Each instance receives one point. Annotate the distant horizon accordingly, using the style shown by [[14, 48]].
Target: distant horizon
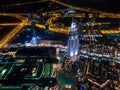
[[103, 5]]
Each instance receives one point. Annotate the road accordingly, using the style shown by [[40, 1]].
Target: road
[[94, 56], [55, 16], [11, 24], [24, 22], [18, 4], [100, 85], [4, 42], [90, 10], [16, 15]]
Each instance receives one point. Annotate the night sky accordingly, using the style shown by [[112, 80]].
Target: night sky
[[107, 5]]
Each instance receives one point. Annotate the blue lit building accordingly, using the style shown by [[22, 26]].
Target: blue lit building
[[73, 42]]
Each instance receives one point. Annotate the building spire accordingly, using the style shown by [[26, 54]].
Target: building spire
[[73, 25]]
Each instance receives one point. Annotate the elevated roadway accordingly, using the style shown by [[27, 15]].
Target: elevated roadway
[[16, 15], [89, 10], [25, 3], [52, 25], [11, 35], [55, 16], [11, 24]]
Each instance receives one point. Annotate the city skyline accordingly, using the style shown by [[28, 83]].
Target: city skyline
[[60, 45]]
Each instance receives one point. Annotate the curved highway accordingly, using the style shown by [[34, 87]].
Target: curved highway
[[50, 21]]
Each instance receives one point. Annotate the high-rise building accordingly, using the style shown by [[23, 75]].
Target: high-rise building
[[73, 41]]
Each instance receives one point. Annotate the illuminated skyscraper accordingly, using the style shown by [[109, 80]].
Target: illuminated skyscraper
[[73, 41]]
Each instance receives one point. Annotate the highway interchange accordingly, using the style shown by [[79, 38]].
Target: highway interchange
[[52, 27], [55, 15]]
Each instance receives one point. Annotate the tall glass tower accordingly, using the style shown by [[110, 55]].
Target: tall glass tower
[[73, 41]]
